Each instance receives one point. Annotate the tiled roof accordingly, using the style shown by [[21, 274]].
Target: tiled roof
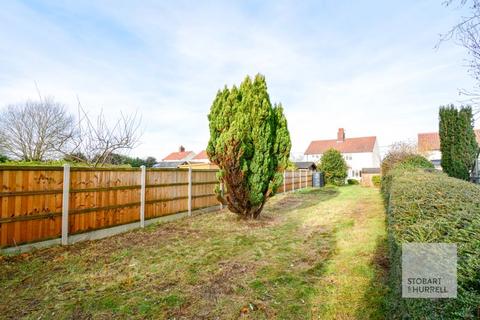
[[202, 155], [180, 155], [350, 145], [430, 141]]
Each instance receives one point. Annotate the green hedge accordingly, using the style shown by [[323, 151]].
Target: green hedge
[[352, 182], [413, 162], [428, 206], [377, 180]]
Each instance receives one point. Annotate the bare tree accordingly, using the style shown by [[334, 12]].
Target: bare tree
[[467, 34], [397, 152], [35, 130], [96, 140], [41, 130]]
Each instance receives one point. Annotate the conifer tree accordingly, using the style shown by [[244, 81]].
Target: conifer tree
[[457, 141], [250, 142]]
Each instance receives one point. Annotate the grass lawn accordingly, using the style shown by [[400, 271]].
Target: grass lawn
[[313, 254]]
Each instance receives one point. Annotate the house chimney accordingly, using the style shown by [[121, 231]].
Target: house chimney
[[341, 135], [181, 149]]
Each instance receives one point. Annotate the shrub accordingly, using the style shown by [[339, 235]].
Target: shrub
[[352, 181], [430, 207], [398, 152], [406, 162], [250, 142], [414, 161], [333, 167], [377, 180]]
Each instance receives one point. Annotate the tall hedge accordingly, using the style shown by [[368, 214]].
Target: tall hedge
[[428, 206], [250, 142], [333, 167], [457, 141]]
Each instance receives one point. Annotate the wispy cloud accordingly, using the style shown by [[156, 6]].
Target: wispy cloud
[[369, 67]]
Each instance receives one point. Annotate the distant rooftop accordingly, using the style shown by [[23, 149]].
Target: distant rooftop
[[181, 154], [201, 156], [430, 141], [342, 144]]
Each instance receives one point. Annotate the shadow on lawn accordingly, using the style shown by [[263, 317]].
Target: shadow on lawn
[[374, 297]]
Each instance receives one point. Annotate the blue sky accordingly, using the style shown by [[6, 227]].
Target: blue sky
[[367, 66]]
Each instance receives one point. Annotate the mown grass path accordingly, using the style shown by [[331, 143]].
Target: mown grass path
[[314, 254]]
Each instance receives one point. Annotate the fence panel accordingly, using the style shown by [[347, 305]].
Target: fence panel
[[295, 180], [203, 188], [166, 192], [31, 205], [103, 198], [31, 198]]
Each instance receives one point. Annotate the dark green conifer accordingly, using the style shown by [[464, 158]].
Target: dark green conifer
[[250, 142]]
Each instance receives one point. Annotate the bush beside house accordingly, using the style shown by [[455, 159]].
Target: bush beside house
[[334, 167], [427, 206], [352, 182]]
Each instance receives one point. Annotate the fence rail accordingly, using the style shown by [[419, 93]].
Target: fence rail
[[35, 205]]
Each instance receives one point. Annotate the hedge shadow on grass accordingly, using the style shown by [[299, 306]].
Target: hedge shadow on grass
[[374, 296]]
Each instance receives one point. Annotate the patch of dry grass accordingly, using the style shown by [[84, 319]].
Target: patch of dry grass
[[211, 266]]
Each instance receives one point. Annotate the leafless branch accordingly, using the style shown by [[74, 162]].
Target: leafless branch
[[96, 140], [467, 34]]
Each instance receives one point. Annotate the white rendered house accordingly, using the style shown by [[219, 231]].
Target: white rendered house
[[359, 153]]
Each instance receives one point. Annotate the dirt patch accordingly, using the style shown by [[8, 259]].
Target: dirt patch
[[222, 283], [80, 314], [203, 298], [287, 203], [360, 213]]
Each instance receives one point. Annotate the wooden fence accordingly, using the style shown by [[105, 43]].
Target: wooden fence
[[32, 207]]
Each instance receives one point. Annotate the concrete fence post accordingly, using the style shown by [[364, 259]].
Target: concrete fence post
[[284, 181], [65, 203], [300, 181], [293, 180], [221, 194], [143, 178], [189, 189]]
